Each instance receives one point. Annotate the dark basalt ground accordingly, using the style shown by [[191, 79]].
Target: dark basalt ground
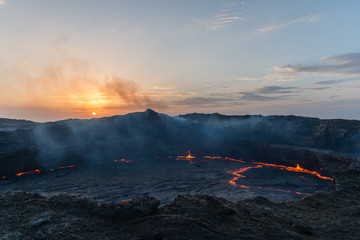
[[166, 178], [334, 215], [178, 200]]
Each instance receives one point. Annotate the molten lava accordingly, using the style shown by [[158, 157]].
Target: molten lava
[[29, 172], [64, 167], [123, 161], [70, 166], [41, 171], [242, 170], [190, 158], [237, 173], [283, 167]]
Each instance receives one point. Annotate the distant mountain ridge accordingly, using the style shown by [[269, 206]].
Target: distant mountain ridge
[[315, 143]]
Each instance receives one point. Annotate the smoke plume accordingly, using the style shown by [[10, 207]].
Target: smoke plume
[[61, 82], [128, 92]]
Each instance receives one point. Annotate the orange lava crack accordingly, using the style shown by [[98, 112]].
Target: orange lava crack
[[237, 173]]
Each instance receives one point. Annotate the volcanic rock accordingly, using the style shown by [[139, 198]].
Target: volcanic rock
[[314, 143], [326, 146], [40, 220], [332, 215]]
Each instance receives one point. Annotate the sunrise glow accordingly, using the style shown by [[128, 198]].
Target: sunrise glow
[[230, 57]]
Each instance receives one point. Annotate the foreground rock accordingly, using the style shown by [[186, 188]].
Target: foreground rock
[[333, 215]]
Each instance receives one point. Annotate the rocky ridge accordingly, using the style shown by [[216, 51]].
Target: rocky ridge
[[334, 215], [316, 144]]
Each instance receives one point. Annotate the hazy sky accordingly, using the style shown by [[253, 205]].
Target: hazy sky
[[69, 58]]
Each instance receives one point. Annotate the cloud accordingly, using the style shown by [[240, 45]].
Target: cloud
[[276, 89], [228, 14], [319, 88], [266, 93], [251, 96], [219, 21], [282, 24], [241, 78], [345, 64], [282, 76], [327, 82], [162, 87], [2, 2], [206, 102], [203, 101], [331, 82], [269, 93]]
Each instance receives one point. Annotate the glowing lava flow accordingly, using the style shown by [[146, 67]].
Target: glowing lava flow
[[123, 161], [237, 173], [40, 171], [283, 167], [190, 158], [241, 170], [62, 167], [65, 167], [29, 172]]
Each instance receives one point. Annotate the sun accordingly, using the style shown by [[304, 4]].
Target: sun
[[93, 113]]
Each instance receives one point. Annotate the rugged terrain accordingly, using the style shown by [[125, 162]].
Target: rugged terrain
[[334, 215], [164, 179], [315, 144], [122, 177]]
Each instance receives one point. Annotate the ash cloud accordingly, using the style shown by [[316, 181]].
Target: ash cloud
[[128, 92], [59, 81], [45, 79]]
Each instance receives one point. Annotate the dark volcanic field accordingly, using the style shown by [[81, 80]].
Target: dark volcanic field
[[164, 179], [321, 145], [334, 215], [186, 198]]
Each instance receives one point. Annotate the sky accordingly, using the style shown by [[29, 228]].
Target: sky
[[74, 59]]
